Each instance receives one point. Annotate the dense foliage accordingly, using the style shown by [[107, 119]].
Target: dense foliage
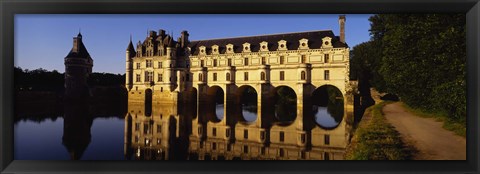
[[419, 57], [43, 80]]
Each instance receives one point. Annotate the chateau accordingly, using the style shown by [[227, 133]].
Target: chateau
[[162, 71]]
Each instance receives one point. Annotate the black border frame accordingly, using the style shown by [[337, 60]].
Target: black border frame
[[8, 8]]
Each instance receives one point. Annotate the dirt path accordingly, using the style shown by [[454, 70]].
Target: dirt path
[[427, 135]]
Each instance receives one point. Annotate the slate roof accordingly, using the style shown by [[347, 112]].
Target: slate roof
[[314, 41], [82, 52]]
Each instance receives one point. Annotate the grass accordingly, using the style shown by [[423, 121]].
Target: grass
[[456, 126], [375, 139]]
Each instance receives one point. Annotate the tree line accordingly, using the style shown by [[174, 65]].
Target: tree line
[[419, 57], [44, 80]]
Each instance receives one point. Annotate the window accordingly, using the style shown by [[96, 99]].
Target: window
[[302, 154], [326, 156], [214, 76], [228, 77], [138, 78], [229, 147], [227, 132], [148, 76], [303, 75], [214, 62], [282, 152], [137, 126], [263, 61], [282, 136], [327, 75], [282, 59], [200, 77], [245, 149], [304, 58], [214, 146], [138, 65], [214, 131], [136, 139], [262, 76], [246, 61], [245, 75], [229, 61], [282, 75], [202, 63], [327, 58], [303, 138], [160, 78], [262, 151], [159, 64], [327, 139], [245, 134], [146, 129], [159, 128], [149, 63]]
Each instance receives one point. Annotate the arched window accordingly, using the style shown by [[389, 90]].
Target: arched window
[[200, 77], [303, 75], [262, 75], [228, 76]]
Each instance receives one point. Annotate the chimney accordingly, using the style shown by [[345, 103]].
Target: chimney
[[184, 38], [341, 22], [76, 43]]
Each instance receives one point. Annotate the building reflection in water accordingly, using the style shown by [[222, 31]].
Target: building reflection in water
[[76, 128], [169, 133]]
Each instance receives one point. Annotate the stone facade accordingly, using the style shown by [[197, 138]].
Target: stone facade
[[183, 71]]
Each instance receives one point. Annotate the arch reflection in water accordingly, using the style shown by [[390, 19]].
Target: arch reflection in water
[[168, 135], [327, 106]]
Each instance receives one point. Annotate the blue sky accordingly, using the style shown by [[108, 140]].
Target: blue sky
[[42, 41]]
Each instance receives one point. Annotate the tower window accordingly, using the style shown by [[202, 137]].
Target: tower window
[[245, 76], [160, 77], [138, 78], [327, 75], [214, 62], [327, 58], [327, 139], [246, 61], [282, 75], [282, 59], [282, 136]]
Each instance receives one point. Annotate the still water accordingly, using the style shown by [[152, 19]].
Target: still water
[[173, 133]]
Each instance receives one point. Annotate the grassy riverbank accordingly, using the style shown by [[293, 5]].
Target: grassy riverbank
[[375, 139], [459, 127]]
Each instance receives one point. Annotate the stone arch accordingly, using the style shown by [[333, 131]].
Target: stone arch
[[247, 99], [328, 107], [282, 106], [215, 104]]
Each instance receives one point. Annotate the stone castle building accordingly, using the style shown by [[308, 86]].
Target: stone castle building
[[161, 70]]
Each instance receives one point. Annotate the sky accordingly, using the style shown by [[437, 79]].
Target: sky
[[43, 40]]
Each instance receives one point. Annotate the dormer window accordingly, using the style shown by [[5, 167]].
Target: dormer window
[[282, 45], [246, 47], [303, 44], [229, 48], [203, 50], [215, 49], [327, 42], [263, 46]]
